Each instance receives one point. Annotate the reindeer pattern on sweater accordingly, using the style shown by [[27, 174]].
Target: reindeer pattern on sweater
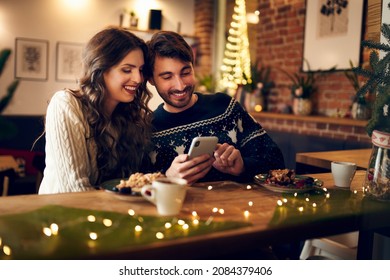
[[214, 115]]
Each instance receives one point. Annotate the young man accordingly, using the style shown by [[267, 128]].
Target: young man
[[244, 149]]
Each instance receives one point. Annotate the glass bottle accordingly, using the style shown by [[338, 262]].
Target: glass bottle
[[377, 181]]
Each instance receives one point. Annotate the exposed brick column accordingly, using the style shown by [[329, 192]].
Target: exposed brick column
[[204, 32]]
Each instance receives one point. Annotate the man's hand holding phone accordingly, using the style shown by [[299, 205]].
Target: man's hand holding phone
[[197, 163]]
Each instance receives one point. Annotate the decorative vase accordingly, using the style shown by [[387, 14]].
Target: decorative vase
[[360, 111], [302, 106], [377, 181], [254, 102], [133, 21]]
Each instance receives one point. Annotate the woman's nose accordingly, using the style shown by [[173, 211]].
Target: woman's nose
[[137, 77]]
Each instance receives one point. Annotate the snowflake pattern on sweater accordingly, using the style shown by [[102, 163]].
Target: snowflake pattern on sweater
[[214, 115]]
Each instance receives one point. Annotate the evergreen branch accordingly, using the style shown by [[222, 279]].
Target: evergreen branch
[[375, 45], [362, 72], [385, 30], [369, 86]]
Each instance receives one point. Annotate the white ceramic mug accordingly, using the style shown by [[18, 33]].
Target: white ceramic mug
[[343, 173], [167, 194]]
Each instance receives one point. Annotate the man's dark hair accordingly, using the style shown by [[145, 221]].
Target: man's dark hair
[[167, 44]]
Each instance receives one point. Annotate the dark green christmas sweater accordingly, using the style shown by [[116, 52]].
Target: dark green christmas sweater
[[214, 115]]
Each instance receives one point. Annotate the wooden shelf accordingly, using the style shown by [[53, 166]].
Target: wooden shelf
[[147, 34]]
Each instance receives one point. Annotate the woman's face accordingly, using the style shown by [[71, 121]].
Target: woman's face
[[123, 79]]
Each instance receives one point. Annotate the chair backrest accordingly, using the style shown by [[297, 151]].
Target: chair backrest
[[7, 177], [5, 186]]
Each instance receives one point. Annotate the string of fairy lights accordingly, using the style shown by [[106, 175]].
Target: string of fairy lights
[[299, 201], [236, 64]]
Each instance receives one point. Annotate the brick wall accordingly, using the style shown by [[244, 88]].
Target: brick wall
[[279, 44], [334, 128], [204, 32]]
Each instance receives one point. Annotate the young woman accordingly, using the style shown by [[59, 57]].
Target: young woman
[[101, 130]]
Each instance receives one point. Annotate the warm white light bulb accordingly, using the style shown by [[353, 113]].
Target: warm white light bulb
[[47, 231], [91, 218], [93, 235], [107, 222], [138, 228], [7, 250]]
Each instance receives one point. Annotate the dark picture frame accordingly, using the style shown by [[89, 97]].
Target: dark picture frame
[[31, 59], [333, 35], [68, 64]]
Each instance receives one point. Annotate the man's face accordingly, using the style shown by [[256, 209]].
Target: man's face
[[175, 83]]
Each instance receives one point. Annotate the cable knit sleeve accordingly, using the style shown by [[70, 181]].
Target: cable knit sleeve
[[69, 165]]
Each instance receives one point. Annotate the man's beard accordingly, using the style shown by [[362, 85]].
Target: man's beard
[[188, 89]]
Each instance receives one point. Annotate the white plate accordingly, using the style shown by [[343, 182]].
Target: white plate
[[110, 186]]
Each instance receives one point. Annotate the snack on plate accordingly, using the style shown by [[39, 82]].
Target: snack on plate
[[137, 180], [289, 179], [281, 176]]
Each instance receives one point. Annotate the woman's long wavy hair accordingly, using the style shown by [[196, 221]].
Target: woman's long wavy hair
[[122, 139]]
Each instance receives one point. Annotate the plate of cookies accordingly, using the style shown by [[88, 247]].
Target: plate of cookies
[[286, 181], [132, 185]]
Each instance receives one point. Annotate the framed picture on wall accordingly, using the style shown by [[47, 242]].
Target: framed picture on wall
[[68, 61], [31, 59], [333, 34]]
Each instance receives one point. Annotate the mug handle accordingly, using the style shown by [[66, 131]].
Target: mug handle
[[148, 192]]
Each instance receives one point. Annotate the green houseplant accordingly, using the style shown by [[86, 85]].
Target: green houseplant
[[361, 104], [7, 130], [302, 87], [259, 85], [302, 84], [206, 83]]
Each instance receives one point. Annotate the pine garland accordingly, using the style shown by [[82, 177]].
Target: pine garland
[[378, 79]]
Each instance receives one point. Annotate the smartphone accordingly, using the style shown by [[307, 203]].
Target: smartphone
[[202, 145]]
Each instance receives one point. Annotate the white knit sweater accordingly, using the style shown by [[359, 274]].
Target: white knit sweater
[[70, 157]]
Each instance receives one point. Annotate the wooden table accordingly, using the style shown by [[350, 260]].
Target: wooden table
[[324, 159], [344, 211]]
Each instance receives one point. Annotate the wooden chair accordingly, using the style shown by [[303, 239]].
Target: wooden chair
[[7, 177], [335, 247]]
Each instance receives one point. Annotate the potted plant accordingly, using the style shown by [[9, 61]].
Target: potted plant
[[360, 108], [205, 83], [133, 19], [302, 87], [377, 182], [7, 129], [258, 87]]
